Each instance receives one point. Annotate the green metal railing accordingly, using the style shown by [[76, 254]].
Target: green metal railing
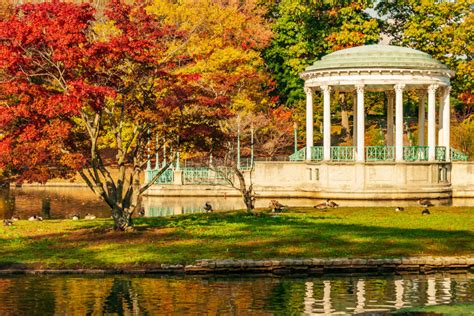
[[204, 175], [343, 153], [167, 177], [380, 153], [317, 153], [415, 153], [457, 155], [300, 155], [440, 153]]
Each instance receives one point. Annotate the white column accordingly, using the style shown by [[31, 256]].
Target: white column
[[421, 118], [327, 122], [447, 122], [431, 122], [309, 121], [399, 122], [354, 120], [440, 119], [390, 96], [360, 123]]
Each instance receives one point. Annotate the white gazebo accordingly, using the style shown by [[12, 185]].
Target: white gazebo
[[382, 68]]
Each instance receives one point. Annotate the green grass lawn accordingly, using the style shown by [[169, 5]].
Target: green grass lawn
[[298, 233]]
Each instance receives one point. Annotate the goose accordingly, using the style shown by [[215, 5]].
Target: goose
[[276, 206], [425, 212], [35, 218], [141, 213], [75, 217], [425, 202], [332, 204], [7, 222], [90, 216], [208, 207], [321, 206], [399, 209], [15, 218]]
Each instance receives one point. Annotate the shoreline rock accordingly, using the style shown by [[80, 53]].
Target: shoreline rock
[[317, 266]]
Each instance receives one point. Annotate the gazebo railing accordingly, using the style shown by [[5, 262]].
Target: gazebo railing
[[457, 155], [440, 153], [300, 155], [167, 177], [380, 153], [204, 175], [415, 153], [317, 153], [343, 153]]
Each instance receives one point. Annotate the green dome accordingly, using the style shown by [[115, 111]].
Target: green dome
[[377, 56]]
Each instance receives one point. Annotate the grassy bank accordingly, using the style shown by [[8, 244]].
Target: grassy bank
[[298, 233]]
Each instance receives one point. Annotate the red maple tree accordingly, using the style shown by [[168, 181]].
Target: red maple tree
[[67, 96]]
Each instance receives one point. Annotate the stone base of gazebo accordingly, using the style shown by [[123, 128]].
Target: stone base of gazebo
[[340, 180]]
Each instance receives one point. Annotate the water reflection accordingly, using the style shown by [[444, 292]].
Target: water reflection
[[63, 202], [235, 296]]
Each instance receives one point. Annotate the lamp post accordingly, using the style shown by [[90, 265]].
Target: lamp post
[[157, 155], [251, 145], [295, 132], [164, 152], [148, 162], [238, 141]]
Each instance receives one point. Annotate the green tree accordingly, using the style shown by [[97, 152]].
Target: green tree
[[305, 31], [443, 29]]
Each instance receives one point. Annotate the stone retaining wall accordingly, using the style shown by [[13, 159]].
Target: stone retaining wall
[[285, 266]]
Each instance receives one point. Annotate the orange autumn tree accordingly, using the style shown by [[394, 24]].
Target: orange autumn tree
[[225, 42]]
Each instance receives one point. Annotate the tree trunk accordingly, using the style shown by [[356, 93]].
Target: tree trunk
[[249, 201], [344, 116], [122, 219]]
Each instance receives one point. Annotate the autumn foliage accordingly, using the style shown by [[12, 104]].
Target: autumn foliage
[[68, 93]]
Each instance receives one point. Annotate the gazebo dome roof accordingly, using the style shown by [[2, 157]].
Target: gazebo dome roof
[[378, 56]]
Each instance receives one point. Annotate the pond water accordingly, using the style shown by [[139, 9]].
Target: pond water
[[145, 295], [63, 202]]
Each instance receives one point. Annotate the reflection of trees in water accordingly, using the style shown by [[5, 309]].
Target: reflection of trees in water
[[57, 202], [7, 203], [123, 298], [125, 295], [28, 298], [46, 207], [287, 296]]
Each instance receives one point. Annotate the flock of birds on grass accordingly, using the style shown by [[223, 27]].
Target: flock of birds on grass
[[37, 218], [275, 207]]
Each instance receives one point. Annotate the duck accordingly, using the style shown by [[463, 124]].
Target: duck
[[276, 206], [75, 217], [7, 222], [90, 216], [425, 212], [399, 209], [425, 202], [35, 218], [332, 204], [15, 218], [208, 207]]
